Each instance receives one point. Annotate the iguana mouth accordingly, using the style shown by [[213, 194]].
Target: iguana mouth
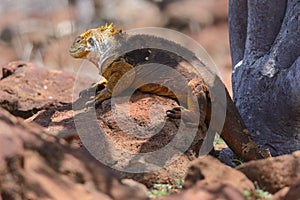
[[78, 52]]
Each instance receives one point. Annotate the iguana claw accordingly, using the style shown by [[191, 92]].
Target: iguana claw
[[182, 113], [175, 113]]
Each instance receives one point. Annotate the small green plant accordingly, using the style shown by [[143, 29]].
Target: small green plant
[[219, 143], [257, 194], [179, 183], [262, 194], [165, 189], [247, 194], [160, 190], [238, 161]]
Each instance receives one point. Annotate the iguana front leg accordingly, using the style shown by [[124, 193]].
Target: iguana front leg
[[94, 88], [193, 115], [113, 74]]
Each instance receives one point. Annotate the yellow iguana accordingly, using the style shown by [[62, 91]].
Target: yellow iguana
[[98, 44]]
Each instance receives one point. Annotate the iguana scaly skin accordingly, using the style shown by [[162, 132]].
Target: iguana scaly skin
[[97, 45]]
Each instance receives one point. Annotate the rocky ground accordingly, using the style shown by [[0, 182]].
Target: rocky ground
[[42, 156]]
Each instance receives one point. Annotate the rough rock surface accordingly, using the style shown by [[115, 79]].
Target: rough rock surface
[[137, 137], [210, 171], [35, 165], [207, 192], [288, 193], [281, 194], [30, 87], [293, 193], [26, 89], [273, 174]]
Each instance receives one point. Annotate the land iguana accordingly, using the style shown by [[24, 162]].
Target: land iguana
[[100, 45]]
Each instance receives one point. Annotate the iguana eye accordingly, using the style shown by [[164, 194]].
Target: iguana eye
[[91, 41], [78, 40]]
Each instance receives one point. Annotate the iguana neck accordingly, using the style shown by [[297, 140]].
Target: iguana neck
[[106, 50]]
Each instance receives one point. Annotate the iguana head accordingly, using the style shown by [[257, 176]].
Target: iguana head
[[91, 43]]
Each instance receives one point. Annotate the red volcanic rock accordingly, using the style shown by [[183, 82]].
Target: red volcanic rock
[[273, 174], [35, 165]]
